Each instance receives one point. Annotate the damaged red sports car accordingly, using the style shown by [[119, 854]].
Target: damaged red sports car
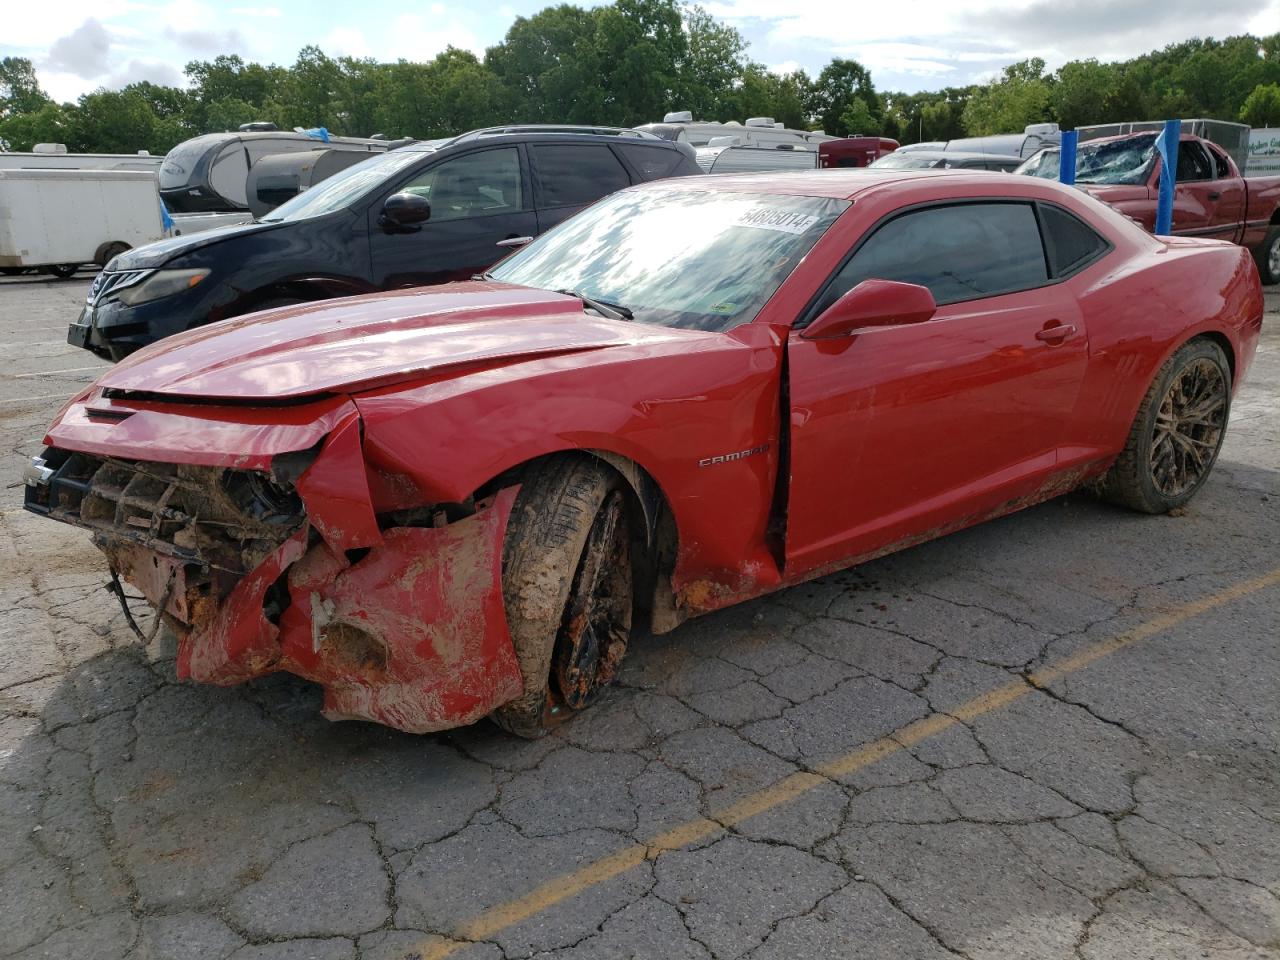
[[455, 502]]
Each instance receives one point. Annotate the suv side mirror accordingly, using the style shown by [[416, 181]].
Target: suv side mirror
[[405, 211], [873, 303]]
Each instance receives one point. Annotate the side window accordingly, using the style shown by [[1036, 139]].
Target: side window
[[1069, 241], [573, 174], [473, 185], [1193, 162], [960, 252], [1221, 169], [652, 162]]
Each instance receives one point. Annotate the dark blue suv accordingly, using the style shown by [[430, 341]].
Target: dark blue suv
[[426, 213]]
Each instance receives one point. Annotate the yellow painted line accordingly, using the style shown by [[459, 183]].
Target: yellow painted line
[[486, 925]]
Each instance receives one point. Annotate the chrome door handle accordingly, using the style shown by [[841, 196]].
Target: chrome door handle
[[514, 242]]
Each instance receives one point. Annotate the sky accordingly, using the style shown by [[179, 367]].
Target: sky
[[908, 45]]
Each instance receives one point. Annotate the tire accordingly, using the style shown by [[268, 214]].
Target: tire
[[1174, 441], [63, 271], [110, 252], [1267, 256], [567, 585]]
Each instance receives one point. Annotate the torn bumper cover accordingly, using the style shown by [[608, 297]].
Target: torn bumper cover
[[290, 570]]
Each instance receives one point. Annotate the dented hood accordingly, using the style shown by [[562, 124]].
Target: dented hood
[[338, 346]]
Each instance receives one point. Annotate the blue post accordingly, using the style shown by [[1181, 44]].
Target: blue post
[[1167, 145], [1067, 157]]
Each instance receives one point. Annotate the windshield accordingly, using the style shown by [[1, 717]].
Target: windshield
[[899, 160], [345, 187], [1116, 161], [699, 259]]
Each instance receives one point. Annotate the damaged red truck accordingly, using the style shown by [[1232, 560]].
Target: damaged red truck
[[452, 503]]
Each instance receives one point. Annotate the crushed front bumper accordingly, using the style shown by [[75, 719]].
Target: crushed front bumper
[[289, 569]]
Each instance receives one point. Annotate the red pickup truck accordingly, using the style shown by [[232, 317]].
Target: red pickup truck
[[1212, 199]]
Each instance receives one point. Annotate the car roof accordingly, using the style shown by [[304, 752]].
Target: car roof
[[498, 135], [961, 155], [846, 183]]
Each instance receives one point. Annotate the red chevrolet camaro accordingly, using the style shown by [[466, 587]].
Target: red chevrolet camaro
[[454, 502]]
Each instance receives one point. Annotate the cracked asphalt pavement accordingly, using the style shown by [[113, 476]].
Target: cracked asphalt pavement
[[1054, 735]]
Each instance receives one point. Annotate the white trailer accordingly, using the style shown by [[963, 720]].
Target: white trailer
[[59, 219], [54, 156], [730, 158]]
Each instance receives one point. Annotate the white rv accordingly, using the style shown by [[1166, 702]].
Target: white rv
[[761, 132]]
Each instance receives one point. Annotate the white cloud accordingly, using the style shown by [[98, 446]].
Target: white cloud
[[930, 38], [257, 12], [83, 52], [414, 37], [786, 66]]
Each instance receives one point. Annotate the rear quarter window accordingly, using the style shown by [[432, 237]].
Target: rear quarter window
[[574, 174], [652, 163], [1070, 243]]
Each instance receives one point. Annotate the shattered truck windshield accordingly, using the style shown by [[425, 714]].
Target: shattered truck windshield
[[1127, 160]]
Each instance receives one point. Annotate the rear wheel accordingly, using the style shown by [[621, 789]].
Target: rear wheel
[[1268, 257], [567, 583], [1175, 438], [110, 251]]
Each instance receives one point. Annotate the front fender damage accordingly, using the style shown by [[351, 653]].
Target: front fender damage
[[401, 625]]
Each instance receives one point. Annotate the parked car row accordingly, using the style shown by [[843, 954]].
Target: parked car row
[[426, 213]]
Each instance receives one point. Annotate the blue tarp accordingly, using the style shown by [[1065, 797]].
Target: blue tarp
[[1167, 145]]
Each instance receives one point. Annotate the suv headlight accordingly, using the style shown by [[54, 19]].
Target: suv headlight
[[162, 283]]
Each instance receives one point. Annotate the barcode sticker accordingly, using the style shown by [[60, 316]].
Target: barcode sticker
[[783, 221]]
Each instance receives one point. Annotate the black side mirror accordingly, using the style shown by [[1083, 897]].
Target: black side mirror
[[404, 211]]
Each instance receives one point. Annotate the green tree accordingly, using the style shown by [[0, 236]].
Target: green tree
[[1262, 106], [228, 114], [1022, 95], [49, 124], [113, 121], [229, 79], [549, 67], [857, 120], [712, 67], [312, 92], [840, 83], [763, 93], [641, 45], [19, 90]]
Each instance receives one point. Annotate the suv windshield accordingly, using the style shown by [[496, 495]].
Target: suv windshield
[[1116, 161], [346, 186], [678, 258], [1046, 164]]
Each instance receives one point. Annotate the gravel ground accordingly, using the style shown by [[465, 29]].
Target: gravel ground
[[1055, 735]]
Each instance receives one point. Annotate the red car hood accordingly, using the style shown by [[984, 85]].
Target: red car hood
[[356, 343]]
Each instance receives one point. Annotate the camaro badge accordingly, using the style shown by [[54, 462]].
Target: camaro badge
[[730, 457]]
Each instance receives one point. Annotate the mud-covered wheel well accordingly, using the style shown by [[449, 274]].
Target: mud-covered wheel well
[[654, 537], [1225, 343]]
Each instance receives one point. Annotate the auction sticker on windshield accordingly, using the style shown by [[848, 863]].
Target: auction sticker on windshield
[[784, 221]]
